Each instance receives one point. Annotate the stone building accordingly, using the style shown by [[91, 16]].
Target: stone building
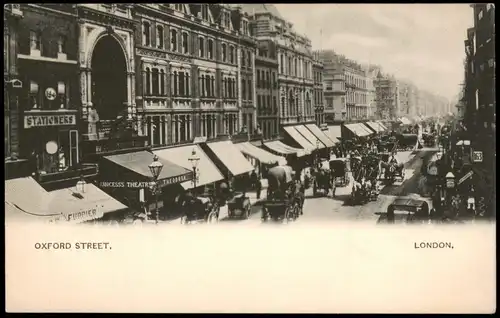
[[387, 97], [266, 64], [295, 73], [195, 71], [319, 98]]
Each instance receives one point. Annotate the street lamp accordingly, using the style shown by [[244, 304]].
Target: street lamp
[[80, 185], [194, 159], [155, 168]]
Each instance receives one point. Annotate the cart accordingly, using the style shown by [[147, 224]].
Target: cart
[[201, 210], [239, 206], [408, 210], [339, 169]]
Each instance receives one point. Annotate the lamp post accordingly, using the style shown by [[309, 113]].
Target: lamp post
[[80, 185], [194, 159], [155, 167]]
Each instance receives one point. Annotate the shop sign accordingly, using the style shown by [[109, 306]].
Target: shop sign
[[31, 121], [477, 156], [465, 177], [80, 216], [50, 93], [144, 184]]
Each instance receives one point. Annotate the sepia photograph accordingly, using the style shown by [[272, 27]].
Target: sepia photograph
[[258, 134]]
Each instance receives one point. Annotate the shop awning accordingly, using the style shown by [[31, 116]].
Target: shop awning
[[208, 172], [297, 137], [381, 124], [357, 130], [334, 133], [315, 141], [404, 121], [26, 200], [260, 154], [283, 149], [75, 207], [373, 125], [367, 130], [138, 163], [316, 131], [231, 157]]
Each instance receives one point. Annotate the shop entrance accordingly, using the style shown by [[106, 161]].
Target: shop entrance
[[109, 78]]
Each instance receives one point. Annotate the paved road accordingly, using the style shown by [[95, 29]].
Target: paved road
[[328, 209]]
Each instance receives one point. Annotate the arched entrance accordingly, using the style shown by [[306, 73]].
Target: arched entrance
[[109, 78]]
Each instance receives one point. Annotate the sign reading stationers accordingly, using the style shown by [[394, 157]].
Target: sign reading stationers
[[39, 120]]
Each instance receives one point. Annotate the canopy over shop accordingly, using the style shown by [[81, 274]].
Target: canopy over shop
[[280, 148], [299, 139], [310, 137], [354, 130], [127, 176], [318, 133], [260, 154], [374, 126]]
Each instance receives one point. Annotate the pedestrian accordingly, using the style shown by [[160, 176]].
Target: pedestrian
[[258, 186]]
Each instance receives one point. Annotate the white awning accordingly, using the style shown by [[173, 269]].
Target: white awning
[[334, 133], [320, 135], [283, 149], [260, 154], [231, 157], [381, 125], [299, 138], [208, 172], [373, 126], [310, 136], [357, 130], [26, 200], [366, 129]]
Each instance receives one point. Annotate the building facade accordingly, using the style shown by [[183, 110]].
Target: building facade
[[319, 98], [195, 72], [266, 64], [295, 71], [387, 97], [45, 60]]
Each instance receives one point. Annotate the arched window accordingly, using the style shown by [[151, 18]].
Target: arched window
[[224, 53], [162, 83], [201, 46], [159, 36], [231, 54], [147, 86], [146, 33], [211, 49], [155, 82], [185, 44], [173, 40]]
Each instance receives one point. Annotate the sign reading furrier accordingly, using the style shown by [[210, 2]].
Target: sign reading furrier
[[31, 121]]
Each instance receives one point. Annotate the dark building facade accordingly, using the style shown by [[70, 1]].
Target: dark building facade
[[319, 109], [266, 64], [46, 62]]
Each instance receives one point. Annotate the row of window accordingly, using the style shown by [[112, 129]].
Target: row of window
[[358, 82], [155, 83], [36, 46], [295, 67], [205, 46], [269, 128], [318, 77], [264, 80], [264, 105], [357, 98]]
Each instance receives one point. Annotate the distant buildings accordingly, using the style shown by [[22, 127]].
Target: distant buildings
[[319, 98], [387, 97]]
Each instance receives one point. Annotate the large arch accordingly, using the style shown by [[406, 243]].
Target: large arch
[[109, 91]]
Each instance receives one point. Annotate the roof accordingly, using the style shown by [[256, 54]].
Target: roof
[[262, 8]]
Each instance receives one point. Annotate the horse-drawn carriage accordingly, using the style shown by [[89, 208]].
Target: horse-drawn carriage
[[322, 179], [393, 171], [285, 198], [407, 142], [202, 209], [339, 169], [429, 139], [239, 206], [408, 210]]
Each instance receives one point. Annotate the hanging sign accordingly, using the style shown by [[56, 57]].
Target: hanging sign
[[465, 177], [477, 156], [50, 93]]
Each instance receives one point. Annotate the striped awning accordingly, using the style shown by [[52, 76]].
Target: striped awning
[[283, 149], [316, 131], [260, 154], [299, 139]]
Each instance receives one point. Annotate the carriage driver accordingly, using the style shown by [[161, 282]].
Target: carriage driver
[[393, 159]]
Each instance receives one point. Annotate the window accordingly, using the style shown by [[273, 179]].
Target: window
[[275, 84], [61, 44], [201, 46], [234, 87], [231, 54], [243, 89], [162, 83], [147, 86], [282, 64], [275, 106], [175, 84], [185, 46], [146, 33], [155, 82], [208, 87], [249, 59], [204, 12], [211, 49], [187, 84], [35, 43], [224, 53], [258, 78], [159, 36], [173, 40], [182, 84], [268, 80], [178, 7], [213, 86], [250, 89]]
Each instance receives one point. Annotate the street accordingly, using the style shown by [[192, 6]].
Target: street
[[326, 209]]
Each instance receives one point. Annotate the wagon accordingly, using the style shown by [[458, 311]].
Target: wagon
[[281, 204], [407, 141], [201, 210], [339, 170], [239, 206], [408, 210]]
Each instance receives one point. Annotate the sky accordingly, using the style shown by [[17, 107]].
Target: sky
[[423, 43]]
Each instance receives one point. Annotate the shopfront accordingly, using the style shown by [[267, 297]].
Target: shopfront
[[127, 178]]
